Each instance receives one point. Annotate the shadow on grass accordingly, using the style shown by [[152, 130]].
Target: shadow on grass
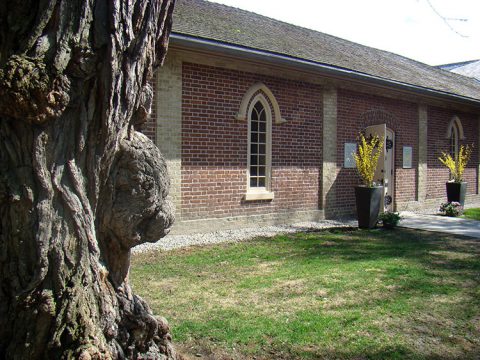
[[420, 267], [399, 352], [378, 244], [434, 253]]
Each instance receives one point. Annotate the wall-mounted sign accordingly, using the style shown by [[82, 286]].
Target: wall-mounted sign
[[350, 149], [407, 157]]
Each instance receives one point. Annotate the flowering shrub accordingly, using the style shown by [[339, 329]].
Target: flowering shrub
[[451, 208], [457, 165], [389, 219], [366, 158]]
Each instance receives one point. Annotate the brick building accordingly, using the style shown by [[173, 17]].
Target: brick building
[[257, 120]]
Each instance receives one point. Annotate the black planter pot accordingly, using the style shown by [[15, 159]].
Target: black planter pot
[[388, 225], [456, 192], [368, 205]]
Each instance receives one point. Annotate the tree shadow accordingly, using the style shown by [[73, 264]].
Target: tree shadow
[[352, 244]]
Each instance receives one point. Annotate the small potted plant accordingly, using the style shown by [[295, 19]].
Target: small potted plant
[[456, 187], [368, 195], [389, 219], [452, 209]]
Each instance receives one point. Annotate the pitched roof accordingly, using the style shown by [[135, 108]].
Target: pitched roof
[[466, 68], [222, 24], [455, 65]]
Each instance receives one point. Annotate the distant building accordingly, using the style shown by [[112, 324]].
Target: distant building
[[466, 68]]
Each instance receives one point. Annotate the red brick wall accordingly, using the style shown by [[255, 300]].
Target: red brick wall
[[214, 144], [438, 121], [400, 116]]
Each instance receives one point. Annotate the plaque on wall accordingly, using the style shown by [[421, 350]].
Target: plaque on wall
[[350, 149], [407, 157]]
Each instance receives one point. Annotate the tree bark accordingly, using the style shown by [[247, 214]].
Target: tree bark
[[79, 187]]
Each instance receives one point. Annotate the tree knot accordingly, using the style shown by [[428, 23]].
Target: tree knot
[[29, 93]]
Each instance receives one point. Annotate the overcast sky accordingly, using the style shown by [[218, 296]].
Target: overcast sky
[[411, 28]]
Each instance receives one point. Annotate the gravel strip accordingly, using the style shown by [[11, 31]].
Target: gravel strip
[[170, 242]]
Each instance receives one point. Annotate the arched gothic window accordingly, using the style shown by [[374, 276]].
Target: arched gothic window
[[259, 149], [455, 134], [454, 141], [260, 109]]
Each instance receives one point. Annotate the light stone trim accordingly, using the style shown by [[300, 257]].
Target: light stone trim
[[245, 221], [329, 165], [455, 122], [263, 195], [242, 113], [169, 124], [422, 167]]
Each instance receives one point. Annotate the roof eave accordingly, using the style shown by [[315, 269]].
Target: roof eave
[[279, 59]]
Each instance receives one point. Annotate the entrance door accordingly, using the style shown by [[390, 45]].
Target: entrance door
[[385, 171]]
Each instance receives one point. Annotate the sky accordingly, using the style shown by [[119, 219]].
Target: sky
[[416, 29]]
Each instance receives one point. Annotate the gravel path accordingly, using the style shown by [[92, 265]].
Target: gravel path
[[170, 242]]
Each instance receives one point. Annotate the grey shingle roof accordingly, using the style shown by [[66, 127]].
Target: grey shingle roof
[[224, 24]]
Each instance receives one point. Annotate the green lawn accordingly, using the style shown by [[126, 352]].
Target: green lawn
[[340, 294], [473, 213]]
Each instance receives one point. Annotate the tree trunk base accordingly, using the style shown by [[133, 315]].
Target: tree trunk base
[[78, 186]]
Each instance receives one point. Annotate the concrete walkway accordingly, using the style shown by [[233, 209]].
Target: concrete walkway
[[445, 224]]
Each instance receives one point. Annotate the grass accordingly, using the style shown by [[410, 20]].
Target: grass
[[354, 294], [473, 213]]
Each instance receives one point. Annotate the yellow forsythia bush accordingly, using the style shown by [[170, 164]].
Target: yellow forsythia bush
[[457, 164], [366, 158]]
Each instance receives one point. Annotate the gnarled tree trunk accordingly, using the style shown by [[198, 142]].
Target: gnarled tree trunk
[[79, 187]]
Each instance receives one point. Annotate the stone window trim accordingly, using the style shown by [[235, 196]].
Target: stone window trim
[[262, 192], [242, 114]]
